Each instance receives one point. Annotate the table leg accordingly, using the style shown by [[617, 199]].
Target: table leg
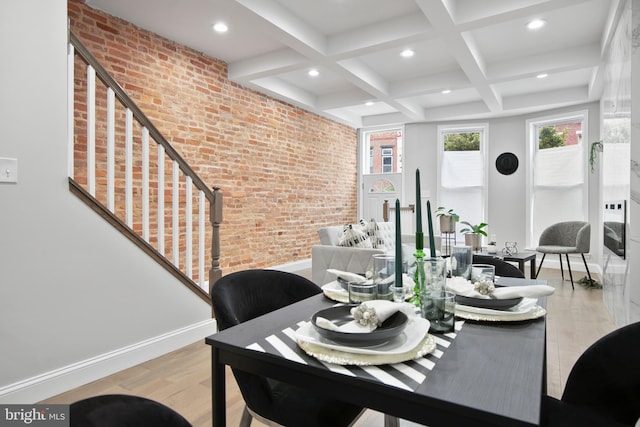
[[533, 268], [521, 266], [218, 398]]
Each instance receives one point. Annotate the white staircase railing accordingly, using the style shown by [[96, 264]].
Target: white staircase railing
[[112, 160]]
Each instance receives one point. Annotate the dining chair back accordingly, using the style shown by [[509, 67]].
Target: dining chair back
[[569, 237], [503, 268], [245, 295], [120, 410], [603, 387]]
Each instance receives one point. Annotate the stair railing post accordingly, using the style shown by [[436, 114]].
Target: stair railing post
[[216, 218]]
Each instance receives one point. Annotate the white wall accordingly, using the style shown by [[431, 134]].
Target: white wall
[[507, 198], [76, 298]]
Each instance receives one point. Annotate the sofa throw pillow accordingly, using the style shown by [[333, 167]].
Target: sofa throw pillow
[[352, 237], [373, 231]]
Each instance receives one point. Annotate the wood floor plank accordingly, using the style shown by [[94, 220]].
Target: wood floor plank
[[182, 379]]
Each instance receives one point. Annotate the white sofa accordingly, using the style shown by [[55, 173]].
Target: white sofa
[[328, 255]]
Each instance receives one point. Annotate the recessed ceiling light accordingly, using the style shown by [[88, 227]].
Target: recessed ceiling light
[[313, 72], [220, 27], [407, 53], [542, 76], [368, 103], [536, 23], [446, 91]]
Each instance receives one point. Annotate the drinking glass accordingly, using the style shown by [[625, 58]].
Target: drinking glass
[[483, 272], [461, 260], [384, 275], [361, 292], [438, 307]]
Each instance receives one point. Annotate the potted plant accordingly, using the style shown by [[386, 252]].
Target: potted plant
[[492, 247], [448, 219], [472, 234]]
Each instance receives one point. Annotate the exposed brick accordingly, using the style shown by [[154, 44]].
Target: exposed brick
[[284, 172]]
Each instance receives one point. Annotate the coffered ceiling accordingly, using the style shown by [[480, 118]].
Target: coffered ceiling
[[472, 59]]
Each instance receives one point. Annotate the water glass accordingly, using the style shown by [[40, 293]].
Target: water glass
[[361, 292], [461, 260], [483, 272], [438, 307], [384, 275]]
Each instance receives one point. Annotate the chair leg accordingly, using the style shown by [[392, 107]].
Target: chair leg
[[245, 420], [585, 266], [569, 266], [540, 266], [390, 421], [561, 269]]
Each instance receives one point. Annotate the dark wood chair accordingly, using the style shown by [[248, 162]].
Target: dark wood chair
[[244, 295], [503, 268], [121, 410], [603, 387]]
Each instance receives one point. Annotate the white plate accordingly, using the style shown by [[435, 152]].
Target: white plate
[[528, 309], [335, 292], [414, 333], [524, 306]]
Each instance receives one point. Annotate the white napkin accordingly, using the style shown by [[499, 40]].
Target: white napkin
[[463, 287], [347, 276], [384, 309]]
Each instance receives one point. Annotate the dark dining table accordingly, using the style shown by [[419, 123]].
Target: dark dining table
[[486, 373]]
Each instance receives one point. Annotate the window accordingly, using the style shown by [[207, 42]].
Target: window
[[557, 172], [383, 148], [462, 178], [387, 160]]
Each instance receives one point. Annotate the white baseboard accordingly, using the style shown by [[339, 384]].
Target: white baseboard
[[40, 387]]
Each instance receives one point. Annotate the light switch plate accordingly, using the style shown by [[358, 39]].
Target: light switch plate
[[8, 170]]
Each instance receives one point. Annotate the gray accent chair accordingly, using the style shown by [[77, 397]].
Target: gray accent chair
[[569, 237]]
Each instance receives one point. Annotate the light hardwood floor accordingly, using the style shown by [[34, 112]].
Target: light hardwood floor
[[182, 379]]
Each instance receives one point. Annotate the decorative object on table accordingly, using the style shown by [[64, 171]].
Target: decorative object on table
[[461, 260], [397, 289], [438, 307], [507, 163], [448, 219], [473, 234], [463, 287], [510, 248], [241, 296], [569, 237], [413, 342], [492, 247], [431, 281], [340, 324]]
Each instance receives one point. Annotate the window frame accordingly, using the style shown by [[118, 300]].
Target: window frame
[[531, 152], [483, 129]]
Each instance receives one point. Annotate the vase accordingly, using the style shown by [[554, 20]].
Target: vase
[[473, 240], [447, 224]]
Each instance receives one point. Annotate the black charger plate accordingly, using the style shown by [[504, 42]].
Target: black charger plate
[[341, 314], [494, 304]]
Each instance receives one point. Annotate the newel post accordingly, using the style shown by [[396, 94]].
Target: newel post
[[215, 216]]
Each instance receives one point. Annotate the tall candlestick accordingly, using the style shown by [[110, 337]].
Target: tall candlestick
[[418, 204], [419, 234], [432, 245], [398, 247]]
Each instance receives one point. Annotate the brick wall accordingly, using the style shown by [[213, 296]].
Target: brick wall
[[284, 172]]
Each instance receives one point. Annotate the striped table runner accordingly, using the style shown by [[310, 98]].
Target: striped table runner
[[406, 375]]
